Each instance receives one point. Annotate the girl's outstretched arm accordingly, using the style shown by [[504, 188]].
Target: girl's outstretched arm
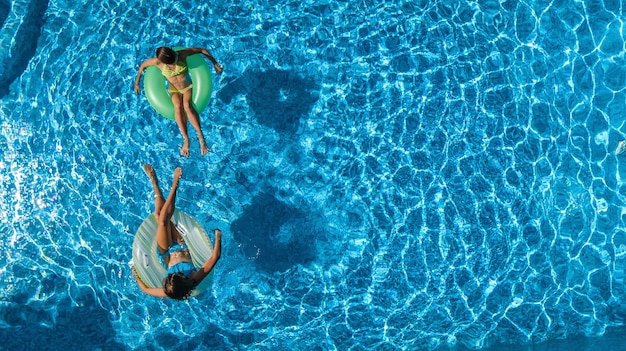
[[205, 52], [149, 62], [210, 263], [156, 292]]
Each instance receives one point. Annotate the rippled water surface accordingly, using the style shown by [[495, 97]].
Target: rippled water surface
[[389, 175]]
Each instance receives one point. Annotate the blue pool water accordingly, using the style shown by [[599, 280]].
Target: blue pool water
[[404, 175]]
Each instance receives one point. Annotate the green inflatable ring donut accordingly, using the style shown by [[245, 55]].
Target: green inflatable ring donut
[[145, 258], [158, 96]]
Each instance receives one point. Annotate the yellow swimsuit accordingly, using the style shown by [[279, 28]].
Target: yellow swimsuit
[[167, 72], [182, 91]]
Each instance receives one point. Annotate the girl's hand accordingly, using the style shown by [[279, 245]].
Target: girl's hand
[[137, 88], [218, 69]]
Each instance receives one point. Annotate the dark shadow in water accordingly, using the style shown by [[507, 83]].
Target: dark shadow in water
[[82, 327], [278, 98], [259, 233], [26, 44], [5, 8]]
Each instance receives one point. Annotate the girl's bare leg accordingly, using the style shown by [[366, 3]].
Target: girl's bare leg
[[158, 195], [194, 119], [181, 121], [164, 230]]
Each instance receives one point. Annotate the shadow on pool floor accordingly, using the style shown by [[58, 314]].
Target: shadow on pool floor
[[81, 324], [26, 38], [273, 234]]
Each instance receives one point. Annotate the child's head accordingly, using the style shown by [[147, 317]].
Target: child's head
[[178, 286], [166, 55]]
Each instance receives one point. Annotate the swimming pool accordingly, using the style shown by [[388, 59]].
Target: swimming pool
[[402, 175]]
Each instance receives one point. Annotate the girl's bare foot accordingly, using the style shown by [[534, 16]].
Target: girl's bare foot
[[178, 172], [203, 148], [185, 149], [150, 172], [158, 196]]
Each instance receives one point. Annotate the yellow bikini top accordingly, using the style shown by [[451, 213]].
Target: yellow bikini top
[[167, 72]]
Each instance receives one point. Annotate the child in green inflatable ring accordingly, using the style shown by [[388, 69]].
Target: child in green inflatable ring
[[173, 66]]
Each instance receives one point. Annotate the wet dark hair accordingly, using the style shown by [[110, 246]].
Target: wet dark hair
[[177, 286], [166, 55]]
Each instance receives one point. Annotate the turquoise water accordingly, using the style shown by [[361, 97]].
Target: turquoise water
[[405, 175]]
